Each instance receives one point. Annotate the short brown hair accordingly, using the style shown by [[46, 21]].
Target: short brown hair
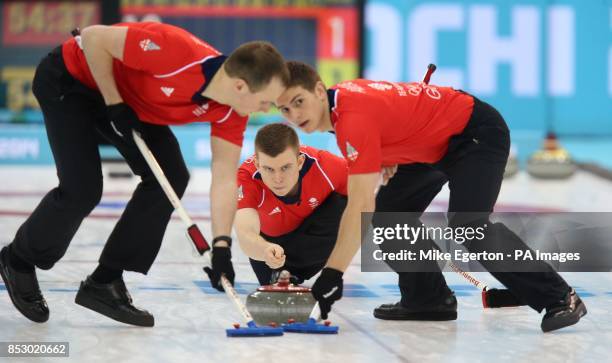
[[303, 75], [273, 139], [256, 63]]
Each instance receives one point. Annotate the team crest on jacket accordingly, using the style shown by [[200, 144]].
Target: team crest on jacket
[[167, 91], [147, 44], [351, 153]]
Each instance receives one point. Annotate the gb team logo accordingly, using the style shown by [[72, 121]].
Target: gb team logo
[[351, 153], [167, 91], [313, 202], [148, 44]]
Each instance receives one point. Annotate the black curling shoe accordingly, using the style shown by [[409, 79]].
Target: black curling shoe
[[23, 290], [445, 310], [112, 300], [564, 313]]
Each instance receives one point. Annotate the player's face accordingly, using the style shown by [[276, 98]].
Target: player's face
[[248, 102], [303, 108], [280, 173]]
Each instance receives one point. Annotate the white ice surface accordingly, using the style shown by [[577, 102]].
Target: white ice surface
[[190, 318]]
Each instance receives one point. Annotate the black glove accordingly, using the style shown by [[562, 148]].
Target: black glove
[[327, 289], [221, 264], [123, 120]]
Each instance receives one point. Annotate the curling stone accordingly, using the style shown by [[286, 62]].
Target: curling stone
[[512, 166], [280, 302], [552, 161]]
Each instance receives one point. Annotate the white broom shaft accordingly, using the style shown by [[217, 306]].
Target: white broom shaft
[[316, 312], [161, 178], [480, 285], [430, 69], [233, 295], [231, 292], [176, 203]]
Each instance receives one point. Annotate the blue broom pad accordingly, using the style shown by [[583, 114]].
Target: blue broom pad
[[252, 330], [310, 327]]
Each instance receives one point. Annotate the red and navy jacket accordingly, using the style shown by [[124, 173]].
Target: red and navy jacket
[[321, 174], [380, 123], [162, 75]]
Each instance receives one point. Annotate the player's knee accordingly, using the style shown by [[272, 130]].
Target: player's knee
[[90, 196], [179, 181], [84, 198]]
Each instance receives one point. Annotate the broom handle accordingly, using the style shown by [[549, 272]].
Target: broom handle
[[161, 178], [176, 203]]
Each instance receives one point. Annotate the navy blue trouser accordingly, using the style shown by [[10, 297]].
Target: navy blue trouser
[[473, 166], [75, 119]]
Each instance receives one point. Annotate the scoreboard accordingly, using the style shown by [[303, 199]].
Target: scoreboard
[[28, 31], [325, 34]]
